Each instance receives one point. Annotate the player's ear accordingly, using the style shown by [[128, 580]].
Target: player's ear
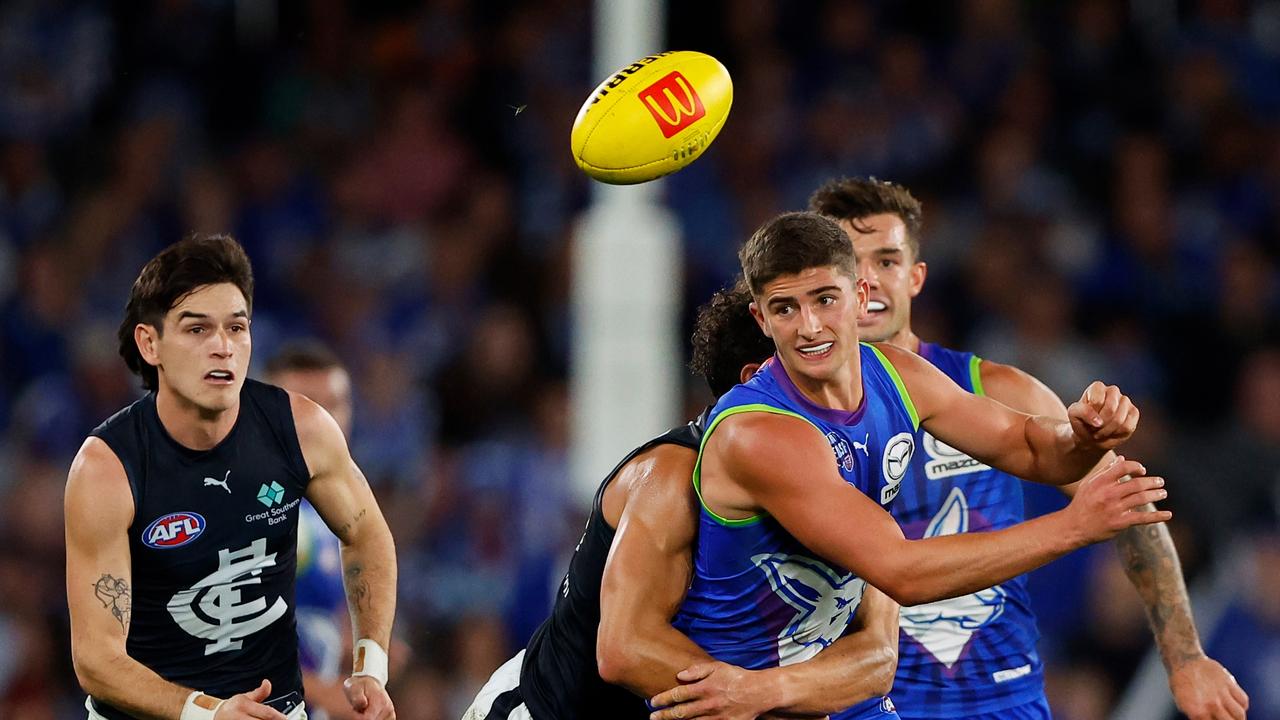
[[145, 337], [748, 371], [919, 272], [759, 316], [862, 293]]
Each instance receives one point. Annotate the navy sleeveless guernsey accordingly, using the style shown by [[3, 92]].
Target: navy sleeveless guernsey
[[973, 654], [213, 548], [759, 598], [559, 678]]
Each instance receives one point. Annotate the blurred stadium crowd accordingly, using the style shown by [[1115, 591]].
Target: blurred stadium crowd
[[1102, 197]]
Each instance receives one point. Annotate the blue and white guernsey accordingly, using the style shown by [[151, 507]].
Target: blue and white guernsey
[[759, 598], [977, 653]]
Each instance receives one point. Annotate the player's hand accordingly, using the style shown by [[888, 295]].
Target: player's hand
[[249, 705], [1107, 502], [1103, 417], [712, 690], [368, 698], [1204, 690]]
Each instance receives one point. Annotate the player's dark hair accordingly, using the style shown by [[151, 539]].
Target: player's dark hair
[[792, 243], [855, 199], [725, 338], [168, 278], [302, 356]]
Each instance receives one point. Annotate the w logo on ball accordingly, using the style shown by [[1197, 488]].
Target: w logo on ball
[[673, 102]]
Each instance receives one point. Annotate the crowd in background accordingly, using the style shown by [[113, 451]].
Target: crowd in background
[[1101, 183]]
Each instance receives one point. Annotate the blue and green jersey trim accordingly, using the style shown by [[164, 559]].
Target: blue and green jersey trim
[[697, 466], [975, 375], [897, 383]]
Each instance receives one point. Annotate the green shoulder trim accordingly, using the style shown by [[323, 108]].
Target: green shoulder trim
[[697, 466], [897, 382], [975, 375]]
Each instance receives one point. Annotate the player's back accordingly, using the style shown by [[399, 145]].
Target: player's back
[[759, 598], [212, 548], [976, 653], [559, 678]]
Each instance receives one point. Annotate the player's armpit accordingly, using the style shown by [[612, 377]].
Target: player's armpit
[[647, 573], [98, 509], [342, 496]]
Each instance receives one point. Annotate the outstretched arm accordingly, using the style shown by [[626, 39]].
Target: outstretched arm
[[342, 496], [98, 509], [1202, 688], [1046, 449], [781, 464]]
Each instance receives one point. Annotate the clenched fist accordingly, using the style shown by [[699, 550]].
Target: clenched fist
[[1103, 417]]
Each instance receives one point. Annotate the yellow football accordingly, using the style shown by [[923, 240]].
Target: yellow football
[[652, 117]]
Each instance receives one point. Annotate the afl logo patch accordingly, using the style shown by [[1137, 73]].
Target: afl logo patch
[[173, 530]]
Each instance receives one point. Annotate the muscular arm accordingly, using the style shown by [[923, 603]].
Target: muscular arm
[[858, 666], [342, 496], [98, 509], [647, 573], [645, 580], [781, 465], [1032, 446], [1149, 558]]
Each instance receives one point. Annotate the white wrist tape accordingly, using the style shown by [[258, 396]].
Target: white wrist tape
[[371, 660], [200, 706]]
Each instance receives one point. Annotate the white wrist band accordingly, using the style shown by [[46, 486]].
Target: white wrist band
[[371, 660], [200, 706]]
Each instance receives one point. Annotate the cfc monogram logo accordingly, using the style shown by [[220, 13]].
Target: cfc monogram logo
[[673, 103], [213, 608]]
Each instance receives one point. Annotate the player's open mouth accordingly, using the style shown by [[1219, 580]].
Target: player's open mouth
[[817, 351], [876, 306], [222, 377]]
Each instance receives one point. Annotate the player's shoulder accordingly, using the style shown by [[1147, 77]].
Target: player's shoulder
[[902, 361], [757, 432], [97, 484], [1018, 389]]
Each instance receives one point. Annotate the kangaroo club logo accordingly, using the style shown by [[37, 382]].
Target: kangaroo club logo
[[173, 530], [673, 103]]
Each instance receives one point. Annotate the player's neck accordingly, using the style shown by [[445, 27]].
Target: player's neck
[[841, 392], [906, 339], [192, 426]]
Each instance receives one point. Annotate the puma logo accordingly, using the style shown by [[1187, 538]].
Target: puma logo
[[220, 483], [863, 445]]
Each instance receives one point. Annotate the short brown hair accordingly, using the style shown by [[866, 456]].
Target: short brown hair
[[725, 338], [853, 199], [175, 273], [792, 243]]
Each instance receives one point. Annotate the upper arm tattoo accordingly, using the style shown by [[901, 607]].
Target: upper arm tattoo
[[114, 594]]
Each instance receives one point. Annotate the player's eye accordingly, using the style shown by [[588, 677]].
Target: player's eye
[[196, 329], [828, 299], [888, 263]]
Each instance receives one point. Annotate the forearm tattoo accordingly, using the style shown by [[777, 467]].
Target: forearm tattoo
[[1151, 562], [113, 593], [358, 592]]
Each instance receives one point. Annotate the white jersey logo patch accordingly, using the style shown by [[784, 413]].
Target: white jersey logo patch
[[945, 461], [944, 627], [213, 608], [824, 601]]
